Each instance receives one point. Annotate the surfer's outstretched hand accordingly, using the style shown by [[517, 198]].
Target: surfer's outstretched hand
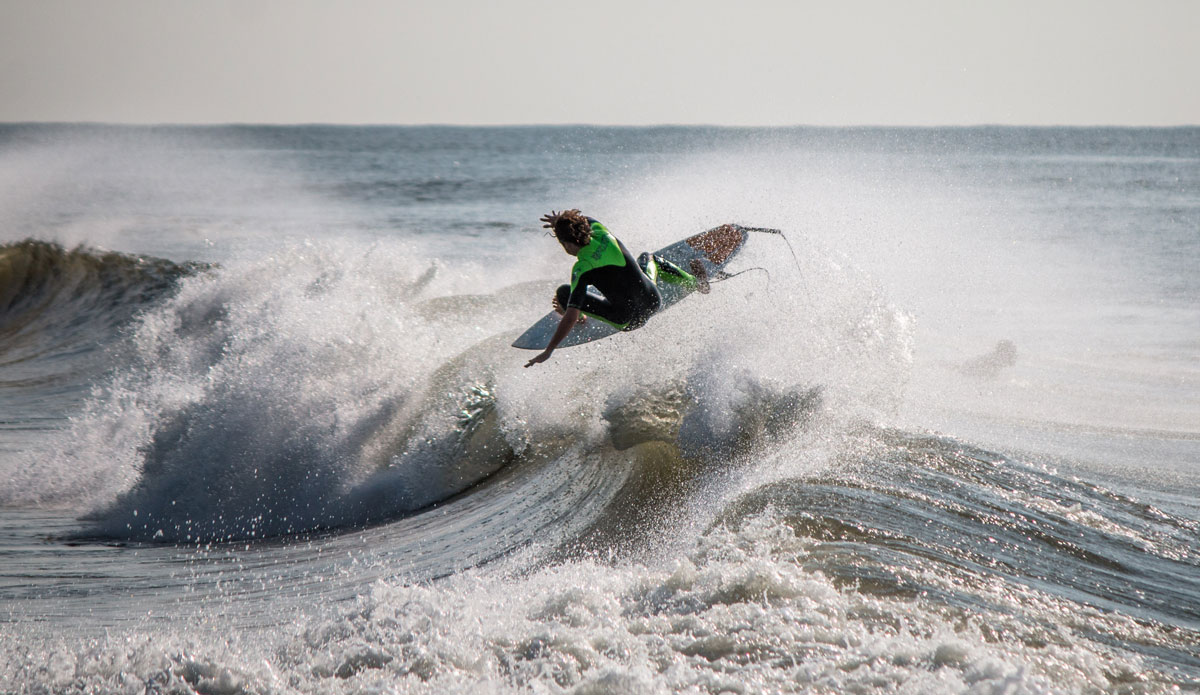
[[539, 358], [565, 324]]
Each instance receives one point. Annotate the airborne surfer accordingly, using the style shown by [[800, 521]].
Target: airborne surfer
[[626, 294]]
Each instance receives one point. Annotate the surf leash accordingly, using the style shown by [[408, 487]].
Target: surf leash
[[779, 233], [722, 276]]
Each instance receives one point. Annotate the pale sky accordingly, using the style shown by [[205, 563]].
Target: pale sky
[[728, 62]]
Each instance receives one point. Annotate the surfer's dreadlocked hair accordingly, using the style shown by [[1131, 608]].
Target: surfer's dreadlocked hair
[[572, 226]]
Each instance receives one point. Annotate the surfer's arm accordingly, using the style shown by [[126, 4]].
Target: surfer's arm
[[565, 324]]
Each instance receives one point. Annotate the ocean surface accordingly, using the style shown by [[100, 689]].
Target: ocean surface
[[262, 431]]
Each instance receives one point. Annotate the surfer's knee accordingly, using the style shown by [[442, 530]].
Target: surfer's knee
[[561, 296]]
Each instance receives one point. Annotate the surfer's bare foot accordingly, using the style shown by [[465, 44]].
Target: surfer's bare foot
[[697, 268], [560, 310]]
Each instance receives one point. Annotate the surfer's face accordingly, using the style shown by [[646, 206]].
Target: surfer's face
[[569, 247]]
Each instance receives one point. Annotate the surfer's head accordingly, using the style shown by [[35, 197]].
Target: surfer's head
[[571, 227]]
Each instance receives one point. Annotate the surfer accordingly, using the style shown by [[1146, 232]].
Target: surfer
[[626, 294]]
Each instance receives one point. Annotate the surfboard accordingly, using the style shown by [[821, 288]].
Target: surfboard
[[715, 248]]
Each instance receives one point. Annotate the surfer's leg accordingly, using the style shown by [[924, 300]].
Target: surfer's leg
[[561, 297], [649, 266], [673, 274], [560, 304], [595, 306], [644, 304]]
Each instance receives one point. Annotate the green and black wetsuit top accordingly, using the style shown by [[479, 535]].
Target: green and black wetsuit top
[[624, 295]]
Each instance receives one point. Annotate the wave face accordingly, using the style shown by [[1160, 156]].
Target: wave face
[[53, 299], [259, 400]]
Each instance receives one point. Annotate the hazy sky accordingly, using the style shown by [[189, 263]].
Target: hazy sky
[[735, 62]]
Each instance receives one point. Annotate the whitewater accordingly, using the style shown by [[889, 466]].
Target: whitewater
[[262, 429]]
